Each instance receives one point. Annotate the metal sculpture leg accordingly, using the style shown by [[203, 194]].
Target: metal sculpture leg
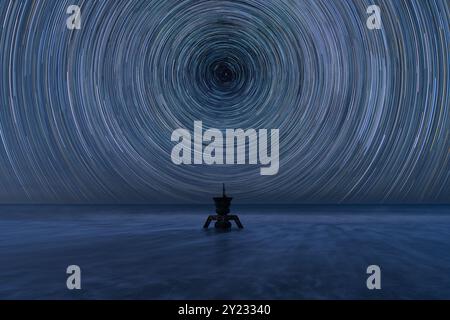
[[236, 219], [208, 221]]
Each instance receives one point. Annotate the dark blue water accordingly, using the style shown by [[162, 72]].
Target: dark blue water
[[308, 252]]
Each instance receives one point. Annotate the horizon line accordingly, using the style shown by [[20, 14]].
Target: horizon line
[[238, 204]]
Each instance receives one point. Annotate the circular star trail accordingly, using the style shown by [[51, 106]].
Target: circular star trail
[[86, 115]]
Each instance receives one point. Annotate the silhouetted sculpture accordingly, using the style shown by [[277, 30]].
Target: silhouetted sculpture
[[223, 209]]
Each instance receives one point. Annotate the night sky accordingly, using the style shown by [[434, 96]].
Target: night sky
[[86, 116]]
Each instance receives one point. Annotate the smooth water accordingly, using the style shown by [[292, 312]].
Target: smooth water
[[308, 252]]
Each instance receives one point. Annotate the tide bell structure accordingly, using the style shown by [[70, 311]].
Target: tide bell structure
[[223, 217]]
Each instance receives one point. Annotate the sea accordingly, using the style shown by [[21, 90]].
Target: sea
[[284, 252]]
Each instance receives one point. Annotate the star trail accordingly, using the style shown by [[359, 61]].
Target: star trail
[[86, 115]]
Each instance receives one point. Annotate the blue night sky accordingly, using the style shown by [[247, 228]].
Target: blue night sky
[[86, 116]]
